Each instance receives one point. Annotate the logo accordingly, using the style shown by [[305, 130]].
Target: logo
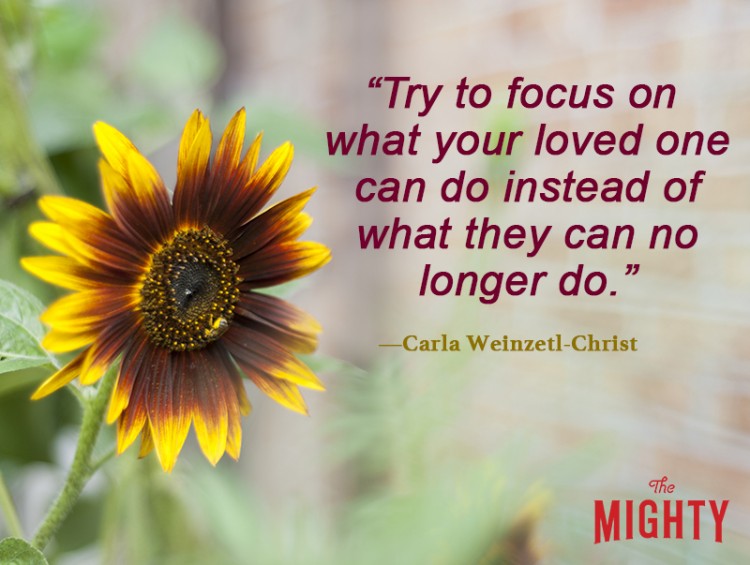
[[668, 518]]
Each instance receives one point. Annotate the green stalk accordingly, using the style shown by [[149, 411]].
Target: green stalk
[[83, 467], [9, 509]]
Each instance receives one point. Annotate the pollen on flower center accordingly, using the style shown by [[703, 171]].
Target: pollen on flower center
[[190, 291]]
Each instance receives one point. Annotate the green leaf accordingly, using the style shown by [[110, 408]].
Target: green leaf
[[21, 331], [15, 551]]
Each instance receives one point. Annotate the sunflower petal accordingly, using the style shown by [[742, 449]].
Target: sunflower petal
[[112, 341], [230, 146], [229, 176], [234, 435], [270, 175], [234, 430], [151, 194], [237, 404], [87, 309], [113, 185], [68, 211], [277, 222], [60, 378], [169, 412], [51, 235], [141, 369], [194, 133], [257, 353], [276, 264], [192, 171], [130, 424], [250, 161], [114, 146], [147, 442], [120, 398], [295, 329], [146, 182], [126, 209], [57, 341], [60, 271], [93, 367], [84, 233], [127, 377], [141, 197], [259, 188], [210, 417], [243, 400], [283, 392]]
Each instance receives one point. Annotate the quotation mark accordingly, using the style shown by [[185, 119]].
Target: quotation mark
[[632, 268], [376, 82]]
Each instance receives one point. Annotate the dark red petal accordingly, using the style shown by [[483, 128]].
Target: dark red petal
[[170, 406], [137, 365], [282, 262], [112, 340], [190, 195], [278, 319], [259, 354], [132, 359], [276, 223]]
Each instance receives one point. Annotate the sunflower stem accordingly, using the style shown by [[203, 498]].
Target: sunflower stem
[[82, 468], [9, 509]]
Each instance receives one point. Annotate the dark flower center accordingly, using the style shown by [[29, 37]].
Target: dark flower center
[[190, 291]]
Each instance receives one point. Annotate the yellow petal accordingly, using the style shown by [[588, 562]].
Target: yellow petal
[[192, 172], [74, 312], [250, 160], [65, 210], [60, 378], [211, 426], [93, 367], [244, 401], [169, 436], [114, 146], [230, 146], [169, 408], [129, 428], [296, 372], [144, 178], [272, 172], [296, 227], [52, 236], [196, 139], [60, 271], [147, 443], [283, 392], [234, 435], [114, 185], [119, 400], [57, 341]]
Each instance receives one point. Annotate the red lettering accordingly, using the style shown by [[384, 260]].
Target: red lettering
[[609, 525], [652, 522], [675, 519]]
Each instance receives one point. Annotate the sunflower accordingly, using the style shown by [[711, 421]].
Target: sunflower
[[171, 289]]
